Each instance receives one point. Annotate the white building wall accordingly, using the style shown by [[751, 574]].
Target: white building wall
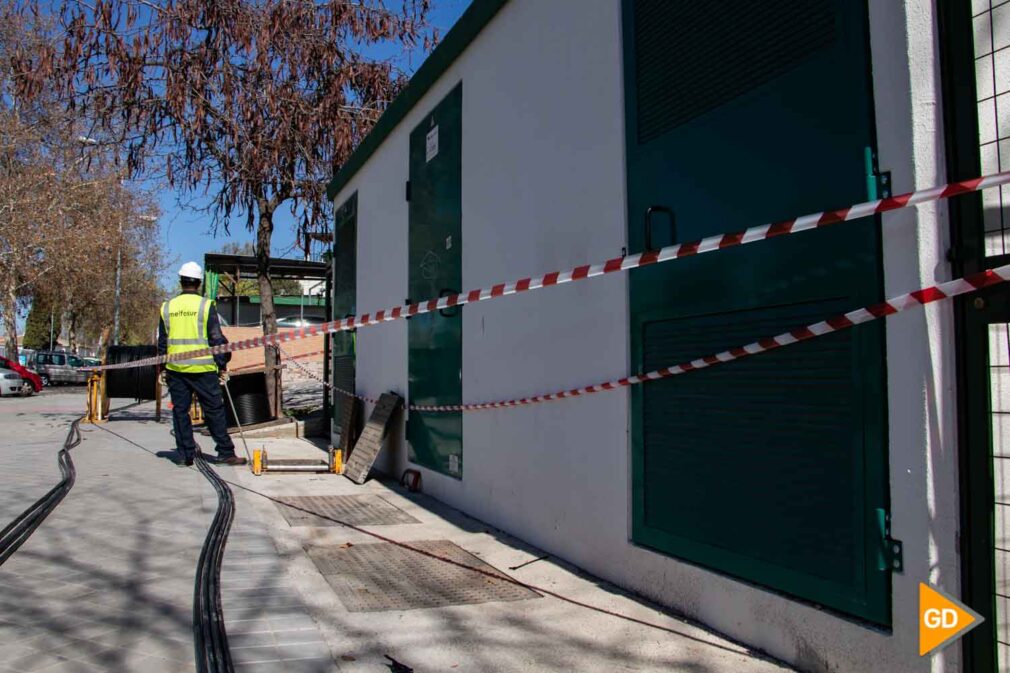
[[381, 352], [920, 344], [543, 190]]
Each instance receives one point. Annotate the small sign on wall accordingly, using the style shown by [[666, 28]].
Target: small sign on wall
[[431, 144]]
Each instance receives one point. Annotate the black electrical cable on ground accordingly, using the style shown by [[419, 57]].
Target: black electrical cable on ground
[[210, 639], [21, 528]]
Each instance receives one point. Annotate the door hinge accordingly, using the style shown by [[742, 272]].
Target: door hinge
[[883, 185], [878, 183], [892, 556], [406, 191]]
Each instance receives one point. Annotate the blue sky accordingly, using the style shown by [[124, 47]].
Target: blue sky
[[186, 233]]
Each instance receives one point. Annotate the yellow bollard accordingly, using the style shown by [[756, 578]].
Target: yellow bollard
[[195, 412], [96, 410], [259, 458]]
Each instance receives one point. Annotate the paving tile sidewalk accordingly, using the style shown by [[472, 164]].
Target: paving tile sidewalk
[[107, 582], [538, 634]]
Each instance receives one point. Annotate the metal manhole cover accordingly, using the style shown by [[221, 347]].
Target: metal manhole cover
[[377, 577], [357, 510]]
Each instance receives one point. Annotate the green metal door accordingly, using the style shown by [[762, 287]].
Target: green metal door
[[771, 469], [344, 301], [980, 235], [435, 355]]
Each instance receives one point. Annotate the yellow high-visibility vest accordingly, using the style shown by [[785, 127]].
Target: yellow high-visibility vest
[[185, 319]]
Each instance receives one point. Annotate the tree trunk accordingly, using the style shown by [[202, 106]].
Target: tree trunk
[[268, 315], [72, 334], [10, 307]]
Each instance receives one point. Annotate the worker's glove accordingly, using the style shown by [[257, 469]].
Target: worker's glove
[[163, 377], [223, 377]]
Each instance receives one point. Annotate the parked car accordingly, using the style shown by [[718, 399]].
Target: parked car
[[295, 321], [10, 383], [25, 357], [31, 380], [60, 368]]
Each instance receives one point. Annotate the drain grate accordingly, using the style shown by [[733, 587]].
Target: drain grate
[[358, 510], [378, 577]]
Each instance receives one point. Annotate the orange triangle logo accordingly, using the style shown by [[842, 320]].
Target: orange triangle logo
[[942, 619]]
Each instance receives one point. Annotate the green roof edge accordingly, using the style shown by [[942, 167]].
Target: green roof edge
[[476, 16], [283, 300]]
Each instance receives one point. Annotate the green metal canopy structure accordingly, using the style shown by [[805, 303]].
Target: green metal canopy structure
[[223, 271]]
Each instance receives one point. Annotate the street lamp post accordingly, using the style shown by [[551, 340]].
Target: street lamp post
[[85, 140], [119, 275]]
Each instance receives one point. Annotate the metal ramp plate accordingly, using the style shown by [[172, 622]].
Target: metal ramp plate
[[357, 510], [380, 577], [366, 449]]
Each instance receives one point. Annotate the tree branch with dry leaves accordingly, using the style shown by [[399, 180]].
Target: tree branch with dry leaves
[[258, 103], [62, 204]]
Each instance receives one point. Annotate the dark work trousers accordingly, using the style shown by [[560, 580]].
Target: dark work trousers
[[208, 390]]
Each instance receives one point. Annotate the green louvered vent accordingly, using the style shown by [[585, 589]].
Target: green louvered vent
[[346, 257], [343, 372], [684, 68], [761, 457]]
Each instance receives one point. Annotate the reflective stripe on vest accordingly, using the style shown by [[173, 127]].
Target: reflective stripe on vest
[[185, 318]]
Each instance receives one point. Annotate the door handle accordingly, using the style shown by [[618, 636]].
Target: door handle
[[652, 210], [442, 311]]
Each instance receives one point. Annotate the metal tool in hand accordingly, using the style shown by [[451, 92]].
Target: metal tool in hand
[[234, 413]]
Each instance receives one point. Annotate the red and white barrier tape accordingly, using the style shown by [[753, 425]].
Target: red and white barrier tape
[[835, 324], [300, 356], [669, 253], [885, 308]]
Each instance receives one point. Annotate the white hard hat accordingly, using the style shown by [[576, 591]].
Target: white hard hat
[[191, 270]]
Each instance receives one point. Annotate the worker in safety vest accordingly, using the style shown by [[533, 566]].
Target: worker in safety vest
[[190, 322]]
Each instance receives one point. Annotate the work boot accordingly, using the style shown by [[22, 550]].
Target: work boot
[[184, 462], [232, 460]]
